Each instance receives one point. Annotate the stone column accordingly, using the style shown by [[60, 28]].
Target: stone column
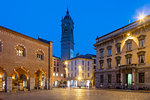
[[9, 84], [122, 79], [32, 83], [46, 83], [133, 77]]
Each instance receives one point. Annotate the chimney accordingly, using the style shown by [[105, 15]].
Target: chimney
[[39, 37]]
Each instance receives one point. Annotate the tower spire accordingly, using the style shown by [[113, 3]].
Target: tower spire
[[67, 10]]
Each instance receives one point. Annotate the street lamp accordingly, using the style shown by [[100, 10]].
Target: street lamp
[[79, 78]]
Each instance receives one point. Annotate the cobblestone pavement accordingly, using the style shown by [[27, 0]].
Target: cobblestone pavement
[[76, 94]]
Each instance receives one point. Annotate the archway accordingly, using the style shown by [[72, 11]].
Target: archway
[[2, 79], [39, 79], [20, 79]]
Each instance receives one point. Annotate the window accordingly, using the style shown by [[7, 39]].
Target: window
[[82, 74], [129, 45], [54, 69], [61, 75], [118, 60], [71, 68], [94, 67], [118, 47], [82, 62], [57, 69], [88, 74], [141, 78], [75, 68], [20, 51], [56, 74], [71, 75], [57, 63], [141, 41], [82, 68], [53, 74], [141, 56], [66, 29], [40, 55], [129, 59], [94, 61], [71, 63], [109, 50], [102, 52], [68, 75], [109, 62], [75, 62], [101, 78], [54, 63], [88, 68], [118, 78], [101, 64], [88, 63], [109, 78]]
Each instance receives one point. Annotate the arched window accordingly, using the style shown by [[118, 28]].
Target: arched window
[[40, 55], [20, 50]]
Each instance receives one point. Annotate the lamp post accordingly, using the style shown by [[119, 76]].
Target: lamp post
[[79, 78]]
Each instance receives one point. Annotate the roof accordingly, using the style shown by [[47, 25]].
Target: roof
[[87, 56], [121, 28], [22, 35]]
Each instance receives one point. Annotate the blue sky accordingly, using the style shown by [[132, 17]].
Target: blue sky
[[91, 18]]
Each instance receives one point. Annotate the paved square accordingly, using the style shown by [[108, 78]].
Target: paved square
[[76, 94]]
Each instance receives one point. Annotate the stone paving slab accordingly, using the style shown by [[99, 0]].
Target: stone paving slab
[[76, 94]]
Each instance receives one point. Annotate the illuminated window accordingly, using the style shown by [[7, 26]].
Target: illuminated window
[[61, 75], [53, 74], [20, 51], [56, 74]]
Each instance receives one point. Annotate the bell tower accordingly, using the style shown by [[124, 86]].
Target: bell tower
[[67, 41]]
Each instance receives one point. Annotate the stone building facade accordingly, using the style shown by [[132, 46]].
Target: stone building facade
[[80, 71], [123, 57], [25, 62], [59, 75]]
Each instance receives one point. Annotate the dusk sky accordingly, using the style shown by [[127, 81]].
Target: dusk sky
[[91, 18]]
